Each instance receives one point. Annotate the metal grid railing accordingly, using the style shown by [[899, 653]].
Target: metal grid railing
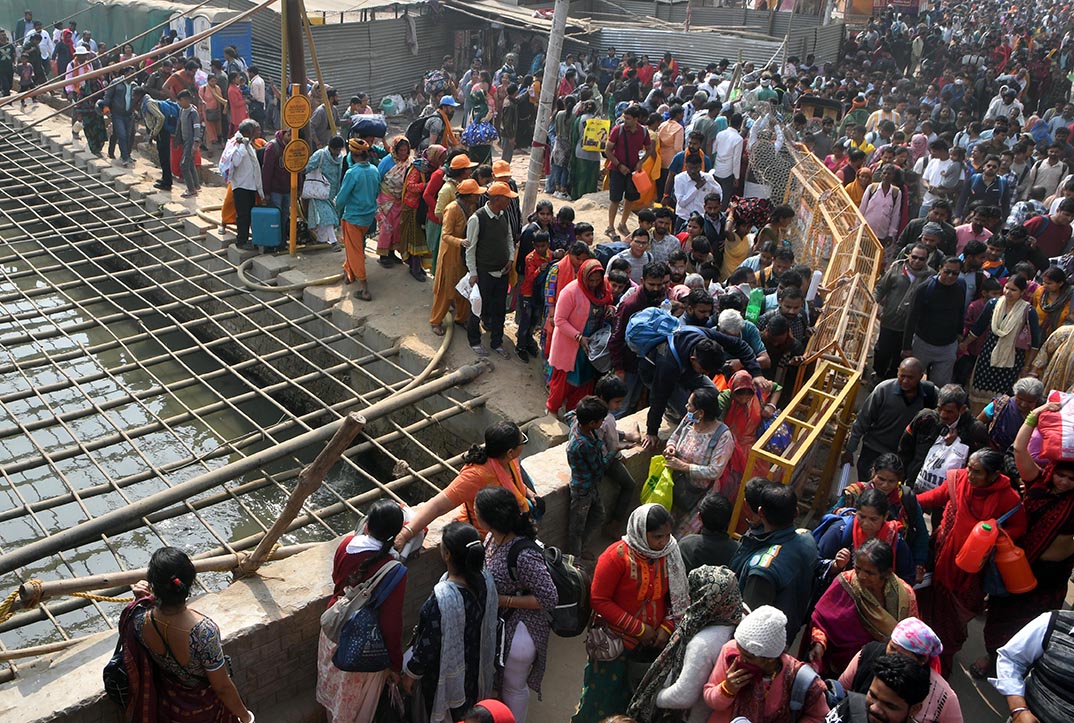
[[101, 350]]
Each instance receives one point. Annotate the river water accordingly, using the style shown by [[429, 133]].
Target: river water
[[38, 409]]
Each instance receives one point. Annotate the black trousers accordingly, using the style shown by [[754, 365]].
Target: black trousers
[[244, 203], [164, 157], [888, 353], [7, 78], [493, 310]]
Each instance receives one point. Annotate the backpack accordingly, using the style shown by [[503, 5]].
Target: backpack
[[604, 252], [648, 328], [436, 82], [570, 618], [831, 519], [802, 680], [334, 618], [415, 132], [361, 643]]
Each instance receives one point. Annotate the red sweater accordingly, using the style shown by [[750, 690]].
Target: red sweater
[[629, 590], [432, 190], [533, 267], [391, 612]]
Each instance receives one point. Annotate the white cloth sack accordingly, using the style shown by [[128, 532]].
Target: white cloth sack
[[941, 458], [473, 293]]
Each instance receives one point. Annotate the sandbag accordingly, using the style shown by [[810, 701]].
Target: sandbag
[[1057, 429]]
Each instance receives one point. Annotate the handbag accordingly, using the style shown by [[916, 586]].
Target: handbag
[[350, 601], [1025, 336], [361, 643], [116, 680], [316, 186], [601, 644], [212, 114]]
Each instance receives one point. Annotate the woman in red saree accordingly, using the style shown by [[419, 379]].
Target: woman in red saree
[[862, 605], [743, 409], [968, 496], [173, 657]]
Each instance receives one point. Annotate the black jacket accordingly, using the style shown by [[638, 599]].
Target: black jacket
[[664, 370], [921, 434]]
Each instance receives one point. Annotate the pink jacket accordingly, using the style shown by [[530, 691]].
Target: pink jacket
[[572, 312]]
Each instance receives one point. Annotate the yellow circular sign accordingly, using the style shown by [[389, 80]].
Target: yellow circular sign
[[296, 155], [297, 111]]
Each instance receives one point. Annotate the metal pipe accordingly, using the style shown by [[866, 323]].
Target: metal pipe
[[90, 529]]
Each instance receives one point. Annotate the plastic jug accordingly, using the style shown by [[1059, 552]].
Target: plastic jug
[[1013, 566], [753, 309], [978, 546]]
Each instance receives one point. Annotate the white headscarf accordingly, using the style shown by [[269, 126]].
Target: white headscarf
[[677, 582]]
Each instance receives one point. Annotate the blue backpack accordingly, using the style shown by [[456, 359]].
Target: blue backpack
[[830, 519], [170, 110], [648, 328], [361, 643]]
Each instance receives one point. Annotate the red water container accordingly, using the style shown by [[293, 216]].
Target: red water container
[[978, 546], [1013, 566]]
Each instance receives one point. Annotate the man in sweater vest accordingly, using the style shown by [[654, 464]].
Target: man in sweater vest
[[490, 252]]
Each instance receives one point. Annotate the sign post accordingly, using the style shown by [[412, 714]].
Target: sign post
[[296, 114]]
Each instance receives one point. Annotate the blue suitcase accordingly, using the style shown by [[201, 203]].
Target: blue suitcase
[[265, 226]]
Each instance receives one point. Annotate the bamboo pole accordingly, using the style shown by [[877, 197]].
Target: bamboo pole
[[549, 83], [90, 530], [309, 481], [317, 68], [32, 595]]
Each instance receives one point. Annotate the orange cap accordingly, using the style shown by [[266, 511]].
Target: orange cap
[[462, 161], [468, 187], [499, 188], [501, 169]]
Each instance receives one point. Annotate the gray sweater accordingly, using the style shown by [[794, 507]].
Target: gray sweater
[[885, 414]]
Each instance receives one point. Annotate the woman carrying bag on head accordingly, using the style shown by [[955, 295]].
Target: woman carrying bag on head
[[451, 662], [347, 696], [640, 592]]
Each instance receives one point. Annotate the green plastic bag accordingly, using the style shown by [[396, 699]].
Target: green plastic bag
[[659, 486]]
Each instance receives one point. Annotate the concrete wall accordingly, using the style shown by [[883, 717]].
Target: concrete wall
[[270, 624]]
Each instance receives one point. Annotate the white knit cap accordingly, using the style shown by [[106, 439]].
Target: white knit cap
[[763, 632]]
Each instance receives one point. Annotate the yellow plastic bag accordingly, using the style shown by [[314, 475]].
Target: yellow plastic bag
[[659, 487]]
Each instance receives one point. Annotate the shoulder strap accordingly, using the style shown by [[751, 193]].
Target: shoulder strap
[[517, 547], [802, 680], [1007, 515], [387, 582]]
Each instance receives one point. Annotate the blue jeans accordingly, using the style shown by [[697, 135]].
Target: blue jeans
[[282, 201], [122, 125], [558, 178]]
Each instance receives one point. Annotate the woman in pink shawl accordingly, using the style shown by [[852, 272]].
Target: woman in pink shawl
[[861, 605], [393, 170], [919, 147]]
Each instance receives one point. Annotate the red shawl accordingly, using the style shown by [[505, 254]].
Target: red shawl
[[969, 506], [603, 295]]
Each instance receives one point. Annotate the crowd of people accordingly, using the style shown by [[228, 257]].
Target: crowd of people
[[952, 137]]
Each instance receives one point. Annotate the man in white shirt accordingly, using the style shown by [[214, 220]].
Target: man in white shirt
[[88, 41], [691, 187], [47, 46], [257, 95], [727, 155], [1005, 105], [939, 176], [1044, 643]]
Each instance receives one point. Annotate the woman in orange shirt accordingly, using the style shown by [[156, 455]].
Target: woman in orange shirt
[[493, 464]]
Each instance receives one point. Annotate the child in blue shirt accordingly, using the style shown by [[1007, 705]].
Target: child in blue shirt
[[588, 457]]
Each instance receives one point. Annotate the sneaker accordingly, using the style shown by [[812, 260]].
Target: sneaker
[[522, 354], [162, 186], [502, 352], [481, 351]]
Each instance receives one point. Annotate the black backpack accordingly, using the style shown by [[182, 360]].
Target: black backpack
[[415, 132], [570, 617]]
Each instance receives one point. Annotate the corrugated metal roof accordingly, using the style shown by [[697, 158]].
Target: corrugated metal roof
[[496, 11], [373, 57], [697, 51]]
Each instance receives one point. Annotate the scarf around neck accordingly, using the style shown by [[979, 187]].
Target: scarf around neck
[[636, 540], [878, 617], [1006, 323], [603, 295], [449, 139], [451, 684]]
